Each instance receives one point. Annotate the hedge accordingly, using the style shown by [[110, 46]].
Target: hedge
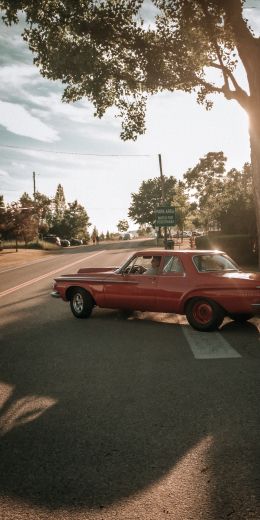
[[242, 248]]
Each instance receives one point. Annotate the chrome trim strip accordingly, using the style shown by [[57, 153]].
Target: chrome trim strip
[[85, 280], [255, 305]]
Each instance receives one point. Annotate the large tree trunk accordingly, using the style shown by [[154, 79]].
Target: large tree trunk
[[255, 160]]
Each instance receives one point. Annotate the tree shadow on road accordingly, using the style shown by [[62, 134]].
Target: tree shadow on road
[[98, 410]]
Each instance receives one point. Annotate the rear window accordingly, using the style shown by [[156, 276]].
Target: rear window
[[214, 263]]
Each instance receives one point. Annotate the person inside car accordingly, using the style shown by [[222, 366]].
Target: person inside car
[[155, 264]]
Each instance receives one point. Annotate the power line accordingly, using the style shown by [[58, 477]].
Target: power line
[[72, 153]]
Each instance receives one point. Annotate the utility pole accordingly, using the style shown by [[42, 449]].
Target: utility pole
[[34, 194], [163, 197], [34, 186]]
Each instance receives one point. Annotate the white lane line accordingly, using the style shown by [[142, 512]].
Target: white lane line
[[208, 345], [51, 273]]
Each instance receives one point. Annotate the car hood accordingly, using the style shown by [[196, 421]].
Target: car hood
[[87, 273], [89, 270]]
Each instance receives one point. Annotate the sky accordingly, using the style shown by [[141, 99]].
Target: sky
[[64, 143]]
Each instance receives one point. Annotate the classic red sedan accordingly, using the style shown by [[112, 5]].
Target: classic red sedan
[[205, 286]]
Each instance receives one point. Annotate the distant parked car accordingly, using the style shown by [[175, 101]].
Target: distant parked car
[[52, 239], [64, 242], [127, 236], [76, 242]]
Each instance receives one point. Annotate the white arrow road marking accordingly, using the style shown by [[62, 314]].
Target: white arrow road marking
[[208, 345], [39, 278]]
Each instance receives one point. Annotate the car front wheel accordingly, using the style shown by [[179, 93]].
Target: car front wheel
[[204, 315], [81, 303]]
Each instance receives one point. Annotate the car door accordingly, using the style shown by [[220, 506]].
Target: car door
[[133, 289], [171, 284]]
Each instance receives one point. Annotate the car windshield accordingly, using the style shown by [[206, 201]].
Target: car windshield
[[141, 264], [214, 263]]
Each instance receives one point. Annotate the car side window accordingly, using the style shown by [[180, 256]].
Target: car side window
[[215, 262], [172, 264], [138, 265]]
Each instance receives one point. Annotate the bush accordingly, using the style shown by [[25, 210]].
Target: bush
[[242, 248], [48, 246], [11, 244], [35, 245]]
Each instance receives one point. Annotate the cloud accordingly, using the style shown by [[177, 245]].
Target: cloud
[[18, 75], [4, 173], [16, 119], [52, 104], [252, 15]]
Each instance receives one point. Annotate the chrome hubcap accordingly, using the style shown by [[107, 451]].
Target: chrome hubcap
[[202, 312], [78, 302]]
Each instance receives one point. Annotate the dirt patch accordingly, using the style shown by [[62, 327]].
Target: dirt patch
[[10, 258]]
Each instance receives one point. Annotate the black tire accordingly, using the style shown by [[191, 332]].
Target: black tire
[[204, 315], [241, 318], [81, 303]]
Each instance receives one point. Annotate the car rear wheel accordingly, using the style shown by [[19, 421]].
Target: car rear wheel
[[81, 303], [204, 315], [241, 318]]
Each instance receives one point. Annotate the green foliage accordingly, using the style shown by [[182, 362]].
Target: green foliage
[[182, 205], [59, 204], [149, 197], [42, 207], [122, 225], [74, 221], [104, 51], [48, 246], [28, 218], [224, 199], [2, 215], [205, 183], [237, 211], [35, 245], [20, 222]]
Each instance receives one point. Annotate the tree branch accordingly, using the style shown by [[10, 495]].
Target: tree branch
[[214, 41], [238, 94], [209, 86]]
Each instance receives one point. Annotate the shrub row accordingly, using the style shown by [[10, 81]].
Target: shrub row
[[242, 248]]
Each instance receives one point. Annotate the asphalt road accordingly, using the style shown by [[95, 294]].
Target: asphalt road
[[121, 417]]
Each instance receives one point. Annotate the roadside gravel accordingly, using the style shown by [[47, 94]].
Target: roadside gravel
[[9, 258]]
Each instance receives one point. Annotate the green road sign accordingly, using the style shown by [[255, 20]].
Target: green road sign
[[165, 216]]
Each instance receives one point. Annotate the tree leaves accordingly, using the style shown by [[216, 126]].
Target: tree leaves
[[103, 51]]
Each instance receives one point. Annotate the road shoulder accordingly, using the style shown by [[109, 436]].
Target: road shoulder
[[10, 258]]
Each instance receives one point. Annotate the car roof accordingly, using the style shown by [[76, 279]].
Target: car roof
[[158, 252]]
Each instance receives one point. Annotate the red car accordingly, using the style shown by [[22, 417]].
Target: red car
[[205, 286]]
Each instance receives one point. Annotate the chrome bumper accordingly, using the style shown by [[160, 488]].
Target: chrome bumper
[[255, 308], [55, 294]]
